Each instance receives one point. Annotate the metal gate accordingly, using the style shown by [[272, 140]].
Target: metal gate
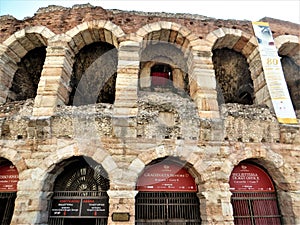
[[80, 196], [167, 208], [7, 204], [257, 208]]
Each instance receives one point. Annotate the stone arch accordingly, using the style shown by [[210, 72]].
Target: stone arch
[[167, 32], [54, 164], [238, 45], [180, 166], [289, 50], [161, 42], [288, 45], [199, 74], [15, 48], [277, 169], [88, 34], [94, 31], [14, 157], [60, 54]]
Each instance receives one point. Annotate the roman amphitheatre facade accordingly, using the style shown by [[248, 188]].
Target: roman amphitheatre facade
[[123, 117]]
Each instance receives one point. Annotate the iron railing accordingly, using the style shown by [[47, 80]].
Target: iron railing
[[172, 208]]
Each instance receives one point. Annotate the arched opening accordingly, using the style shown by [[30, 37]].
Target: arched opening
[[233, 77], [291, 72], [167, 195], [9, 178], [163, 68], [27, 77], [254, 198], [80, 195], [94, 75], [161, 74]]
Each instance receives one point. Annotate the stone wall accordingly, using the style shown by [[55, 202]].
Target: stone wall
[[188, 120]]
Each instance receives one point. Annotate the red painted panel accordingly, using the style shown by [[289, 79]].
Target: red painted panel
[[9, 178], [168, 177], [160, 78], [247, 177]]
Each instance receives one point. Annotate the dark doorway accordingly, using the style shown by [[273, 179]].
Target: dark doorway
[[7, 204], [79, 196]]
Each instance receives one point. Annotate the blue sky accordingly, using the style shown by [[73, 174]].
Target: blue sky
[[254, 10]]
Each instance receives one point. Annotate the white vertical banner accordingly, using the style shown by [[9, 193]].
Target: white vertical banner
[[274, 74]]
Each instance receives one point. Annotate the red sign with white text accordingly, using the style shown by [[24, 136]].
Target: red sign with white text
[[9, 178], [165, 176], [247, 178]]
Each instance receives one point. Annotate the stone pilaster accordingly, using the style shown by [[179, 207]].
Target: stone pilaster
[[203, 84], [125, 106], [53, 89], [122, 202], [215, 206]]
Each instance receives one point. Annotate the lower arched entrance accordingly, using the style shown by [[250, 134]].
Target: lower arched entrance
[[79, 196], [9, 178], [167, 195], [253, 197]]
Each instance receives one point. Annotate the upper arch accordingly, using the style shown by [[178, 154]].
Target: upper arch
[[168, 32], [94, 31], [233, 39], [21, 42], [288, 45]]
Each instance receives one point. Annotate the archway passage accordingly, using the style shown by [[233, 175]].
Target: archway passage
[[80, 194], [9, 178], [291, 72], [27, 77], [233, 76], [253, 197], [167, 195], [94, 75]]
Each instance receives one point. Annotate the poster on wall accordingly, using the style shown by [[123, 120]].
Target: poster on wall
[[274, 74]]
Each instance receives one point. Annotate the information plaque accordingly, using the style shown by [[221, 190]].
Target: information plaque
[[94, 207], [86, 208], [65, 207]]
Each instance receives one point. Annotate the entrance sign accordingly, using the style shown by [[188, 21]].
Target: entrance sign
[[274, 74], [65, 207], [84, 208], [250, 178], [94, 207], [165, 176], [9, 178]]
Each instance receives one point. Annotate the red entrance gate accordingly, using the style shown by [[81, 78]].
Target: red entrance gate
[[9, 178], [253, 198], [167, 196]]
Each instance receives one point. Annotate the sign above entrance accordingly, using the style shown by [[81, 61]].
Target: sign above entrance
[[247, 178], [165, 176], [9, 178]]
